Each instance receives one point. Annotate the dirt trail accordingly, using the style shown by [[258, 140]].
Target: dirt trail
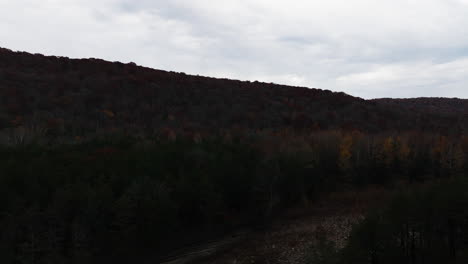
[[290, 239], [289, 242], [197, 252]]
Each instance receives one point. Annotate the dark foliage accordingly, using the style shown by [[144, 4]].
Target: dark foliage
[[61, 97], [427, 225], [104, 161], [125, 198]]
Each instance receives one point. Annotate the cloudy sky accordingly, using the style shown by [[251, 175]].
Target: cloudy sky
[[367, 48]]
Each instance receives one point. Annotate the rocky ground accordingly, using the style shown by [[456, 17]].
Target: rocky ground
[[292, 239], [290, 242]]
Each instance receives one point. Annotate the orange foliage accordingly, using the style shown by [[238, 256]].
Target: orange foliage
[[345, 154], [108, 113]]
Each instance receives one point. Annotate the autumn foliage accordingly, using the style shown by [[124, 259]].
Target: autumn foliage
[[90, 97], [104, 161]]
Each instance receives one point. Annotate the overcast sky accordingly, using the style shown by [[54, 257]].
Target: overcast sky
[[366, 48]]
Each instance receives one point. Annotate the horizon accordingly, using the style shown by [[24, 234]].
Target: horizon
[[396, 49]]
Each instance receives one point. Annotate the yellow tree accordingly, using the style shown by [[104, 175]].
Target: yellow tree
[[345, 153], [388, 151], [403, 152]]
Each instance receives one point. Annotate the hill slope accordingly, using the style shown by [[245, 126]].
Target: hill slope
[[81, 97]]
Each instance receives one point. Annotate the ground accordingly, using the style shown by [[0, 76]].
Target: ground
[[293, 238]]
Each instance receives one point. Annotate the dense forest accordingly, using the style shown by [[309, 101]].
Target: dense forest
[[104, 161], [65, 99], [422, 225]]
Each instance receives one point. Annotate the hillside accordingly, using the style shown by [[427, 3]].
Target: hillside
[[452, 111], [59, 96], [105, 162]]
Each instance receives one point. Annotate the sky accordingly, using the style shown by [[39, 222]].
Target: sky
[[366, 48]]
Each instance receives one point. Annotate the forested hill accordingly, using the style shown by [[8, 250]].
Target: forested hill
[[453, 110], [105, 162], [83, 97]]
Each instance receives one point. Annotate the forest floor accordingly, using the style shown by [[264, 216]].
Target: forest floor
[[292, 238]]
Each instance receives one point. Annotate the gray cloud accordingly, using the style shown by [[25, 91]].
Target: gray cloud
[[366, 48]]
